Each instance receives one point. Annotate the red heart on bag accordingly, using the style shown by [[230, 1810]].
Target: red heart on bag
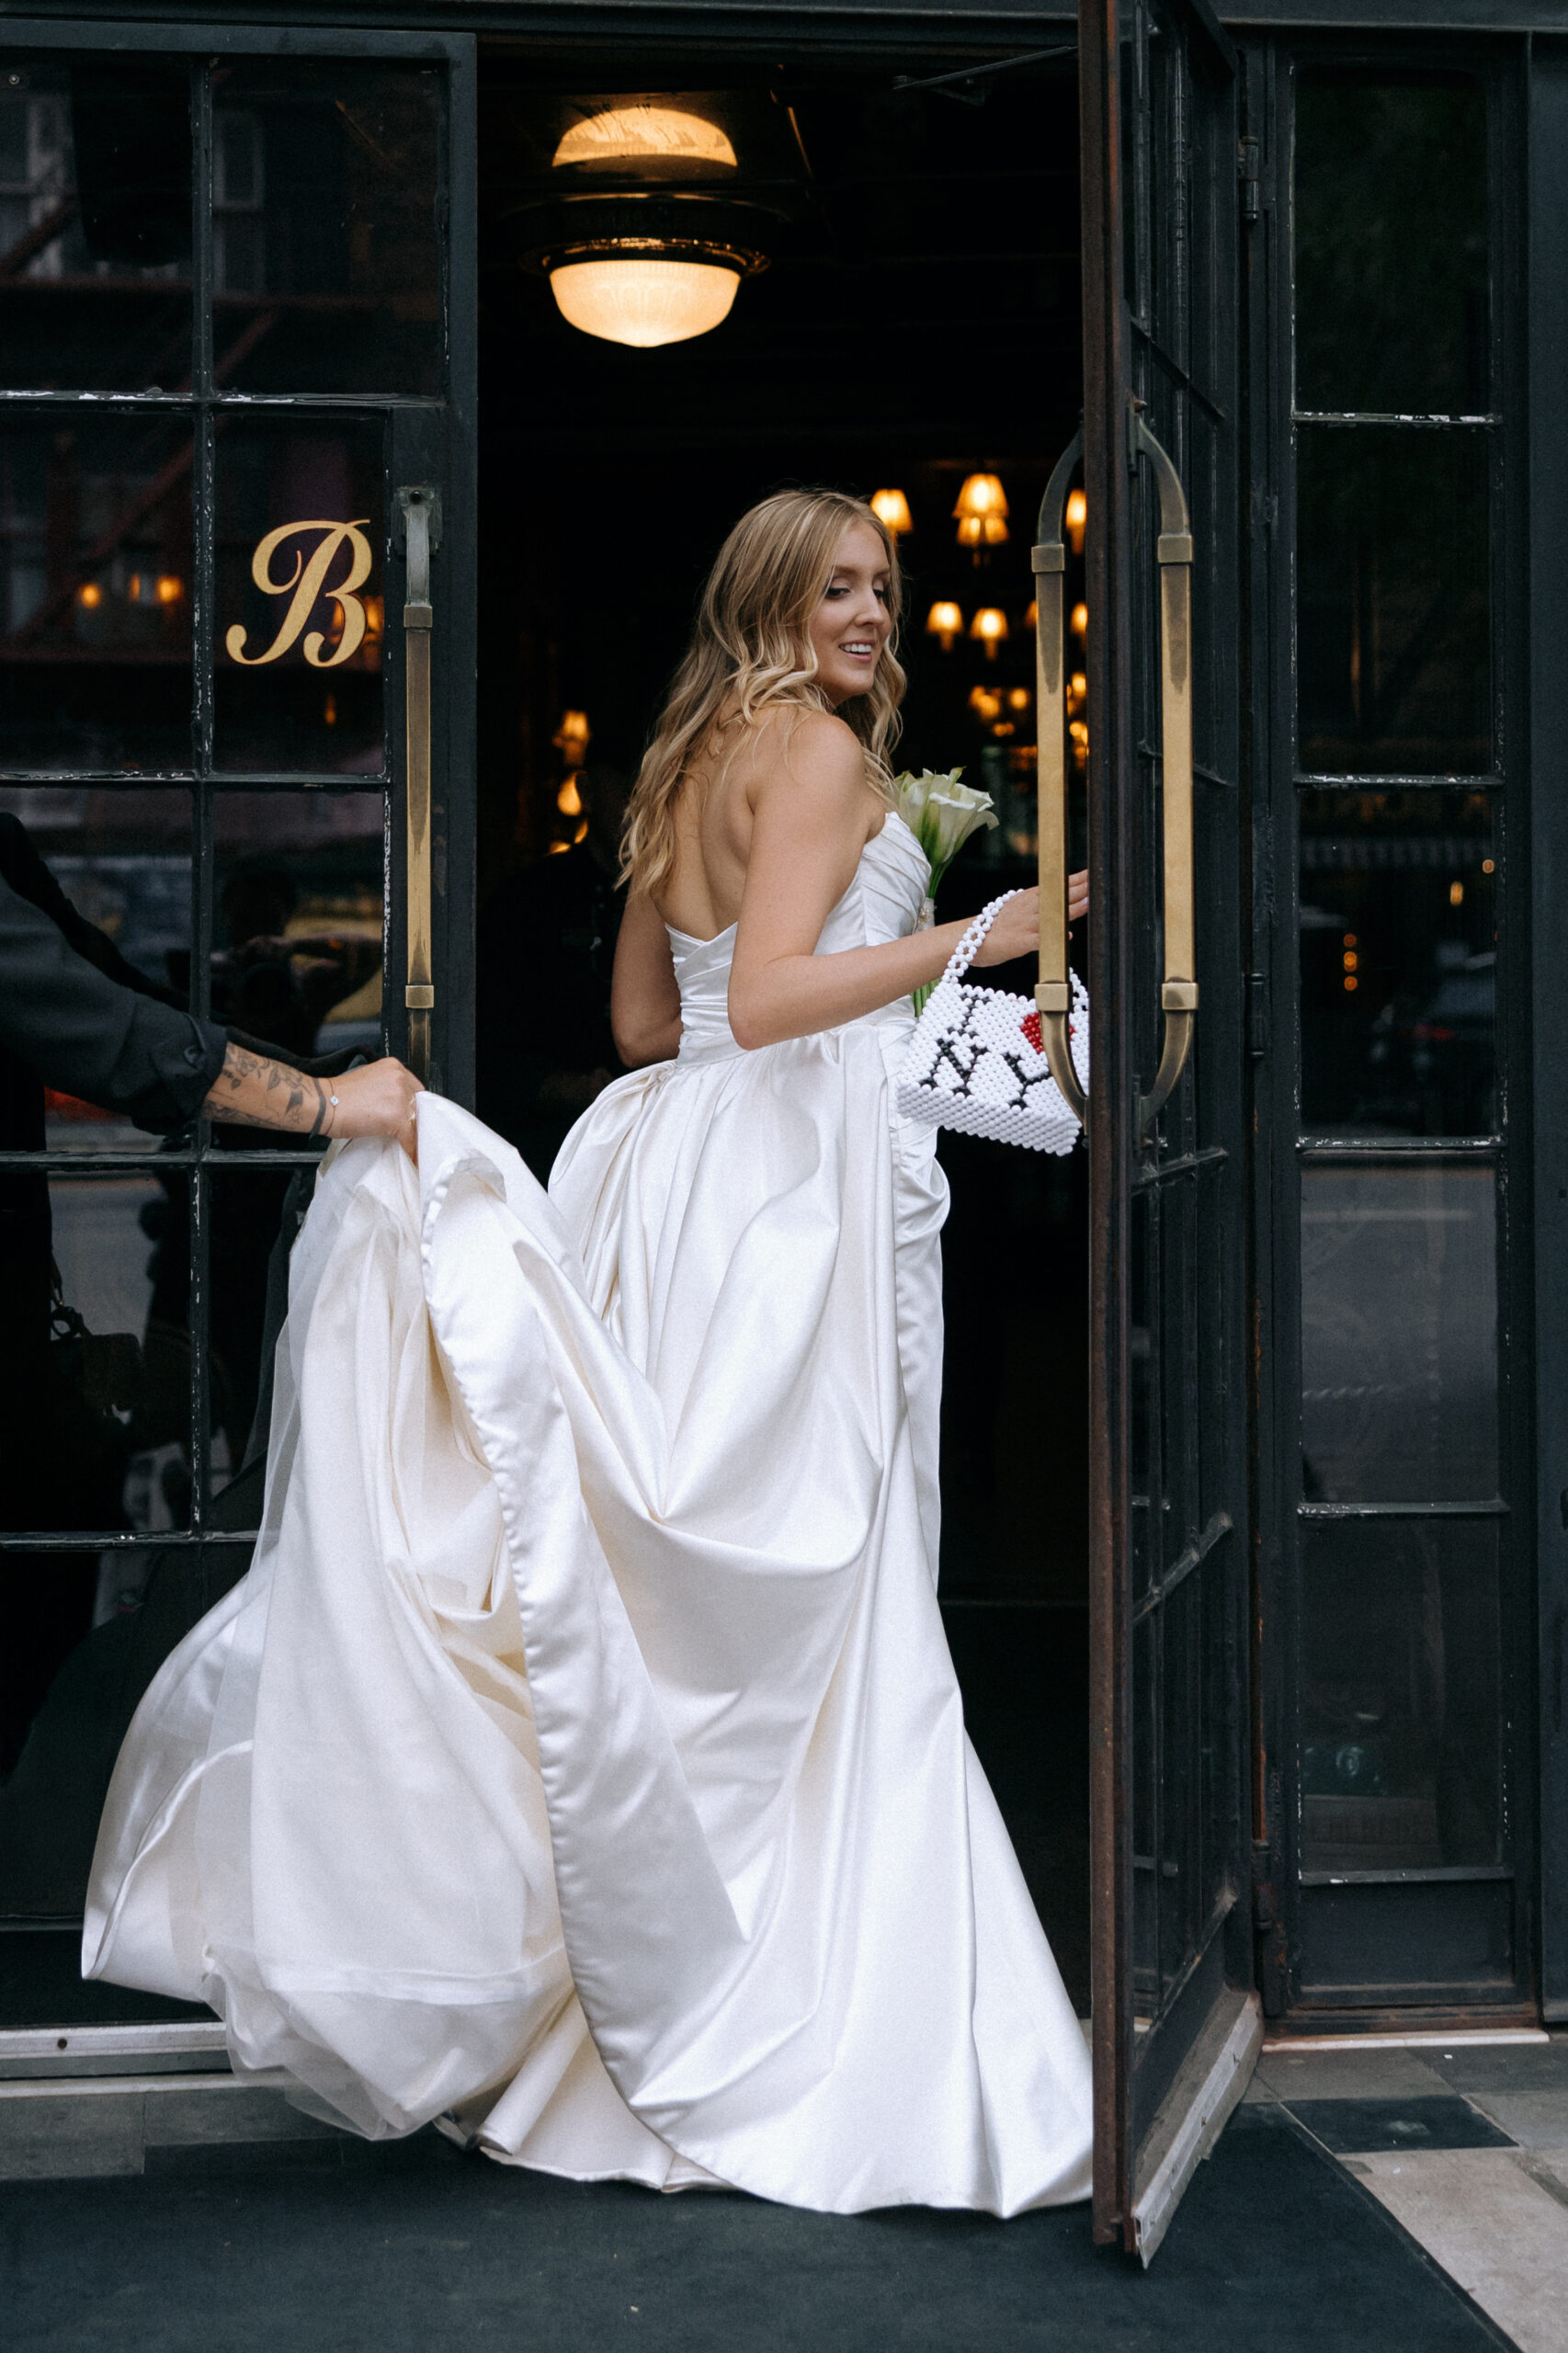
[[1029, 1025]]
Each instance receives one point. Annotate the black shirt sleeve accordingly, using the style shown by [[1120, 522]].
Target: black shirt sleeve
[[90, 1036]]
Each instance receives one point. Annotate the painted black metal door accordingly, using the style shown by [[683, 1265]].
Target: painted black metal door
[[236, 313], [1174, 2023]]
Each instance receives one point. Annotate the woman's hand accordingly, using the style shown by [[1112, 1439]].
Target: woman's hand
[[1015, 931]]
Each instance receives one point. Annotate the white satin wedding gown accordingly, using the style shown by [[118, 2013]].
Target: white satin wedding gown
[[581, 1762]]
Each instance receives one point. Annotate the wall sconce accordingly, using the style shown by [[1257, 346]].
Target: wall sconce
[[990, 625], [981, 513], [1079, 623], [1076, 516], [986, 703], [1032, 616], [569, 800], [891, 510], [1018, 697], [89, 595], [944, 621], [572, 737]]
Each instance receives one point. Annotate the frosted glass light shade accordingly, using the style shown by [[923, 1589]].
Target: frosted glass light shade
[[642, 301], [624, 133]]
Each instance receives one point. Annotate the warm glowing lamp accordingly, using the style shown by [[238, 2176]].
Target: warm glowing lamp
[[89, 595], [990, 625], [570, 739], [569, 800], [944, 622], [643, 300], [644, 133], [891, 510], [985, 703], [1077, 515], [171, 588], [981, 513], [1080, 621], [1032, 616], [1018, 697]]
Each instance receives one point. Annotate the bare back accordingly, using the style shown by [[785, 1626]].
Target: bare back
[[715, 814]]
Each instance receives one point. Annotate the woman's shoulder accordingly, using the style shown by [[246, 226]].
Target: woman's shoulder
[[790, 746]]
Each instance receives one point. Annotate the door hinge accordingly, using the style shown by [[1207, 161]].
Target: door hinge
[[1257, 1015], [1249, 173], [1268, 1929]]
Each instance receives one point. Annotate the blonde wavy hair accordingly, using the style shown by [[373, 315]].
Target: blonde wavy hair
[[752, 651]]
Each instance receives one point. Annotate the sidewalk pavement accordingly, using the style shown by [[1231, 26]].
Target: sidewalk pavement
[[1466, 2147]]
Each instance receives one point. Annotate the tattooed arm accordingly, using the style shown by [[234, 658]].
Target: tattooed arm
[[251, 1091]]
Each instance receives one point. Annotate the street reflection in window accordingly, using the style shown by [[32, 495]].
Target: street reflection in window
[[95, 224], [1399, 1332], [1393, 603], [1398, 962], [96, 593], [1401, 1733]]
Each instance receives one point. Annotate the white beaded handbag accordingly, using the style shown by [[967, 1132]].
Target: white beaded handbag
[[976, 1061]]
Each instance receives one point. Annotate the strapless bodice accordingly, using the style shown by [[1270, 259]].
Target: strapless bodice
[[882, 903]]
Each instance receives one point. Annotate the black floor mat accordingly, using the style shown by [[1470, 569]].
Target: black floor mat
[[415, 2246]]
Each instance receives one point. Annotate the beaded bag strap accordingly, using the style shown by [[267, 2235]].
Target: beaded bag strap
[[969, 946]]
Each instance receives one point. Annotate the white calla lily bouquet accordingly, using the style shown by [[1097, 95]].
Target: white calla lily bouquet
[[941, 813]]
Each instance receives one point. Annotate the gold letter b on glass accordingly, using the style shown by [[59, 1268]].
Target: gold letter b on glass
[[308, 582]]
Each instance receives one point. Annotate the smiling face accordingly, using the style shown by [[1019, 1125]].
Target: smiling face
[[852, 623]]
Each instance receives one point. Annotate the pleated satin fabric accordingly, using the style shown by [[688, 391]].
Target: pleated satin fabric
[[581, 1764]]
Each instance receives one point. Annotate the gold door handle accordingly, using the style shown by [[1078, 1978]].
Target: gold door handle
[[421, 526], [1053, 992], [1178, 991]]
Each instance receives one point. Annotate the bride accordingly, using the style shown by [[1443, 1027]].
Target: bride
[[581, 1764]]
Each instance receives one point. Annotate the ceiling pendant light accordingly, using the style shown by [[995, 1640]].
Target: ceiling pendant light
[[644, 293], [646, 260], [641, 132]]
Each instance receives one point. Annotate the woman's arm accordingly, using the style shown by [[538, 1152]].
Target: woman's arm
[[809, 829], [644, 998]]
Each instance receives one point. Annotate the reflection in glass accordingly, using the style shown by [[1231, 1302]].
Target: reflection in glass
[[298, 887], [301, 599], [96, 1439], [1147, 1823], [1401, 1722], [1393, 605], [326, 258], [1399, 1332], [1398, 950], [1391, 241], [95, 224], [111, 865], [95, 595]]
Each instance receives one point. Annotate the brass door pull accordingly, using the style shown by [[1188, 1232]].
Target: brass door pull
[[422, 524], [1053, 992], [1178, 992], [1173, 552]]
